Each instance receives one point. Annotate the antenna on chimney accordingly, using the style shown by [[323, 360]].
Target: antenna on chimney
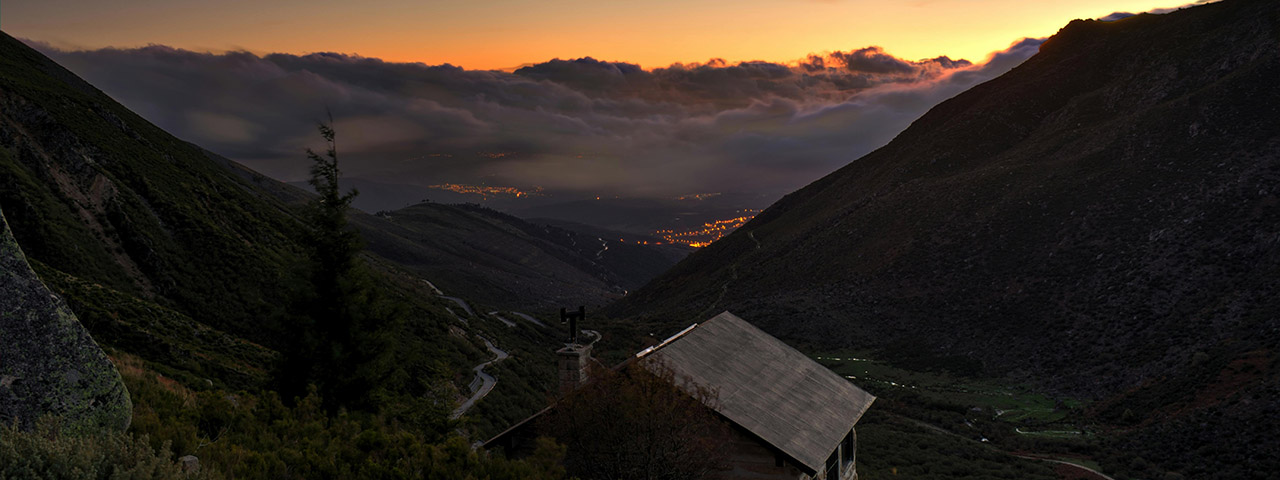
[[573, 318]]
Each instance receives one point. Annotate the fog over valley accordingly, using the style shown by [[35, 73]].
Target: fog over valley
[[582, 125]]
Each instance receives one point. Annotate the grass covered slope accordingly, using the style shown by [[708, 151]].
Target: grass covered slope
[[97, 192], [197, 273], [166, 250]]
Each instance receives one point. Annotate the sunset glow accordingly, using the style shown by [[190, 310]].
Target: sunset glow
[[504, 35]]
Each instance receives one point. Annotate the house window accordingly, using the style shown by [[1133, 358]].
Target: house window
[[832, 462], [849, 447]]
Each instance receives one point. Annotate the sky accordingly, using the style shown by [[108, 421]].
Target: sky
[[501, 34], [647, 99]]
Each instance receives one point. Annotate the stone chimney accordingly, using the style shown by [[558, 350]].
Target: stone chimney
[[573, 359]]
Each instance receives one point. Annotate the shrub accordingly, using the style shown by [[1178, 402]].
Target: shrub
[[46, 452]]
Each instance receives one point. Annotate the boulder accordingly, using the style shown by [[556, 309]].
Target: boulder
[[189, 463], [49, 365]]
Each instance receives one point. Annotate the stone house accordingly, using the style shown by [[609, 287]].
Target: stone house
[[791, 418]]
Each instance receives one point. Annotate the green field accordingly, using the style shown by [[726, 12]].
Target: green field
[[1025, 410], [947, 425]]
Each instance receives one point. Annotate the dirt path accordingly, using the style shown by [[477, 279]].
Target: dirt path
[[1089, 471], [936, 429]]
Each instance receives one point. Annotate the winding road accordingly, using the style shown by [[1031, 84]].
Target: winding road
[[483, 383], [487, 382], [530, 319], [461, 303], [508, 323]]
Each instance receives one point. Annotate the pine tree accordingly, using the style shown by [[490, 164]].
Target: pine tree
[[335, 315], [347, 337], [334, 244]]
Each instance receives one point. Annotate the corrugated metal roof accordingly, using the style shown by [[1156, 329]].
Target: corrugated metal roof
[[765, 386]]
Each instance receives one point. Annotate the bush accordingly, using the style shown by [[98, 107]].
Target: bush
[[45, 452]]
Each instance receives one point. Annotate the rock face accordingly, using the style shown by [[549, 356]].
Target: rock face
[[48, 362]]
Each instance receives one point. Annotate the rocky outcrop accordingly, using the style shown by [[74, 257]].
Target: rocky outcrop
[[49, 365]]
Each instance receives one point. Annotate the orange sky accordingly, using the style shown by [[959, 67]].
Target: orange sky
[[496, 34]]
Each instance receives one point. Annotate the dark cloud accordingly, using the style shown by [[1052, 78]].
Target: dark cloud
[[587, 73], [872, 60], [1117, 16], [814, 63], [947, 62], [583, 123], [1122, 15]]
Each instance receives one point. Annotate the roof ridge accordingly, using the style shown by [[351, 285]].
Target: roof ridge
[[664, 343]]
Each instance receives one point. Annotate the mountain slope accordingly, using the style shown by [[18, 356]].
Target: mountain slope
[[191, 262], [1118, 190], [1103, 219], [95, 191], [506, 261], [98, 193], [164, 250]]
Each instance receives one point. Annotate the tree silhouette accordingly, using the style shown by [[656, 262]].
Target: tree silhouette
[[337, 315], [637, 423]]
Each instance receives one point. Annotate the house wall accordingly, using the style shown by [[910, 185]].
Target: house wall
[[751, 460], [846, 464]]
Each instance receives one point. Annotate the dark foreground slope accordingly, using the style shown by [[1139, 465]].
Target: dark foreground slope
[[1104, 217], [95, 191]]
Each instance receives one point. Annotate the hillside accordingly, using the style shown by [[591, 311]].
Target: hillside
[[506, 261], [1102, 219], [95, 191], [189, 262], [497, 258], [118, 215]]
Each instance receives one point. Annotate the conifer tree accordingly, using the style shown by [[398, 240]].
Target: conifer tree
[[351, 341], [335, 313]]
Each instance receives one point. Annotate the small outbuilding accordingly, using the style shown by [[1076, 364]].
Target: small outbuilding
[[791, 417]]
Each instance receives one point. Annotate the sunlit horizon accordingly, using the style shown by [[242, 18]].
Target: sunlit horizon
[[509, 35]]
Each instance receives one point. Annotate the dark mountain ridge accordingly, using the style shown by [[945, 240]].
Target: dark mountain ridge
[[1089, 221], [1102, 221]]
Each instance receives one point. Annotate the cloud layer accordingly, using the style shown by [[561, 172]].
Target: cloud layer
[[583, 124]]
